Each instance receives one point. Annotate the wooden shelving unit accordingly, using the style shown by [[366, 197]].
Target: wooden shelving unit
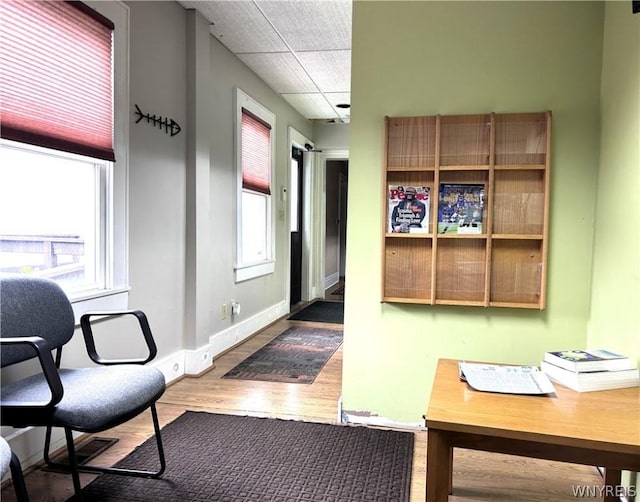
[[505, 264]]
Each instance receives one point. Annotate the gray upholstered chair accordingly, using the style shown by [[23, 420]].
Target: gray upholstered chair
[[9, 460], [36, 318]]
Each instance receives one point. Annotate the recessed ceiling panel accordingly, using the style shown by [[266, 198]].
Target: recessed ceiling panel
[[311, 25], [311, 106], [339, 98], [240, 26], [281, 71], [331, 71]]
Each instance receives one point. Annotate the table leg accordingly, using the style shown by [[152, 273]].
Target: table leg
[[612, 480], [439, 465]]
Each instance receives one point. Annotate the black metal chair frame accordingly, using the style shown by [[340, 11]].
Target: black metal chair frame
[[87, 332], [12, 411]]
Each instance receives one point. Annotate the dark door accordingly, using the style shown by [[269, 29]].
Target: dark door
[[295, 212]]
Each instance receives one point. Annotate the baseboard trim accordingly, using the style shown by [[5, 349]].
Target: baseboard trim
[[224, 340], [331, 280], [377, 421]]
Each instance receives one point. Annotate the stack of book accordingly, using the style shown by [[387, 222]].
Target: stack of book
[[590, 370]]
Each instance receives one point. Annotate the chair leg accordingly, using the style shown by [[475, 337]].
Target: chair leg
[[18, 479], [73, 467], [73, 464]]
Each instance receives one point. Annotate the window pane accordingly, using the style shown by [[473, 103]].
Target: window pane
[[254, 227], [49, 209]]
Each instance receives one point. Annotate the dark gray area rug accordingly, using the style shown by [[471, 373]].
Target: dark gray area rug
[[213, 457], [321, 311], [297, 355]]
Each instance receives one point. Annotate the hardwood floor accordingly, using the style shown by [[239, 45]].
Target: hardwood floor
[[477, 476]]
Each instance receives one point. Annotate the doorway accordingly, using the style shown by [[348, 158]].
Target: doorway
[[336, 180]]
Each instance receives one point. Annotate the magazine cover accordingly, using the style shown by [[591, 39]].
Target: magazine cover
[[460, 208], [408, 209]]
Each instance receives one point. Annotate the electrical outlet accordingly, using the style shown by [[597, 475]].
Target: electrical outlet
[[235, 307], [223, 311]]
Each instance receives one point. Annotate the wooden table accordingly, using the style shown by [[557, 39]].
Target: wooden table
[[590, 428]]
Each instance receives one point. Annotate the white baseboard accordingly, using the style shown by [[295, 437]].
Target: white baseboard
[[377, 421], [331, 280], [196, 361], [171, 366], [224, 340]]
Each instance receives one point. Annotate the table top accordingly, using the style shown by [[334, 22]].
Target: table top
[[607, 420]]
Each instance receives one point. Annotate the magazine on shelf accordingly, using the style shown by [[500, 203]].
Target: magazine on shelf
[[592, 380], [589, 360], [460, 208], [408, 209]]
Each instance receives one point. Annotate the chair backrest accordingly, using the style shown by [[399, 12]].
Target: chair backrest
[[32, 306]]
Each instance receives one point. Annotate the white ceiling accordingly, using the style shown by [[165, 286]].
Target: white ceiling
[[300, 48]]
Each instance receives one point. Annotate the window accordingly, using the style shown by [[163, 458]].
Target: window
[[254, 159], [62, 196], [55, 230]]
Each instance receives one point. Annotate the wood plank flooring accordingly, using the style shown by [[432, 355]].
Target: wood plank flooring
[[478, 476]]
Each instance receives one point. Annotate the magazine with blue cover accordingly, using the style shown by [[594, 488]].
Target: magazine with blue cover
[[460, 208]]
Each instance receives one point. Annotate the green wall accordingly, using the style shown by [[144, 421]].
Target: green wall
[[425, 58], [615, 306]]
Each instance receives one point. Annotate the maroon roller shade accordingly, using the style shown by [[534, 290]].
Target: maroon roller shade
[[56, 84], [256, 154]]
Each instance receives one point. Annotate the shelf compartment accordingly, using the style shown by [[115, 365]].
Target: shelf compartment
[[461, 270], [521, 139], [519, 202], [420, 180], [516, 272], [464, 140], [408, 269], [411, 142]]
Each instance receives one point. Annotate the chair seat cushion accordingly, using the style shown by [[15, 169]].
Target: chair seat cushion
[[5, 456], [94, 398]]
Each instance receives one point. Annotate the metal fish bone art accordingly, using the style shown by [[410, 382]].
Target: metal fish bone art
[[170, 126]]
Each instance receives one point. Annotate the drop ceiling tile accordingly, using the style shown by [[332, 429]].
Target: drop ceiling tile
[[311, 106], [281, 71], [331, 71], [239, 25], [336, 98], [311, 25]]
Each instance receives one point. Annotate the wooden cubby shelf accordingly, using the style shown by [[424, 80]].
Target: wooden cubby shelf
[[466, 201]]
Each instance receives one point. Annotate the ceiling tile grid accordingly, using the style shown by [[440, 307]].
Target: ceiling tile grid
[[300, 48]]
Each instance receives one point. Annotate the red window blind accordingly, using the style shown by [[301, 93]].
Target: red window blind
[[256, 154], [56, 84]]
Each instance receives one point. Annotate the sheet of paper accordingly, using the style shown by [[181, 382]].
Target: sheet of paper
[[506, 379]]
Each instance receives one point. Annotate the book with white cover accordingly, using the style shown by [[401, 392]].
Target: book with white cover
[[589, 360], [593, 380]]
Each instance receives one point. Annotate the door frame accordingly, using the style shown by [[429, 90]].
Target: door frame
[[319, 219], [298, 140], [314, 215]]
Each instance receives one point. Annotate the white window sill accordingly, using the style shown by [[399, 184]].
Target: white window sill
[[246, 272], [112, 299]]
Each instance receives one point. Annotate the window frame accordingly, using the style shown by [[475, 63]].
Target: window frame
[[114, 291], [250, 270]]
